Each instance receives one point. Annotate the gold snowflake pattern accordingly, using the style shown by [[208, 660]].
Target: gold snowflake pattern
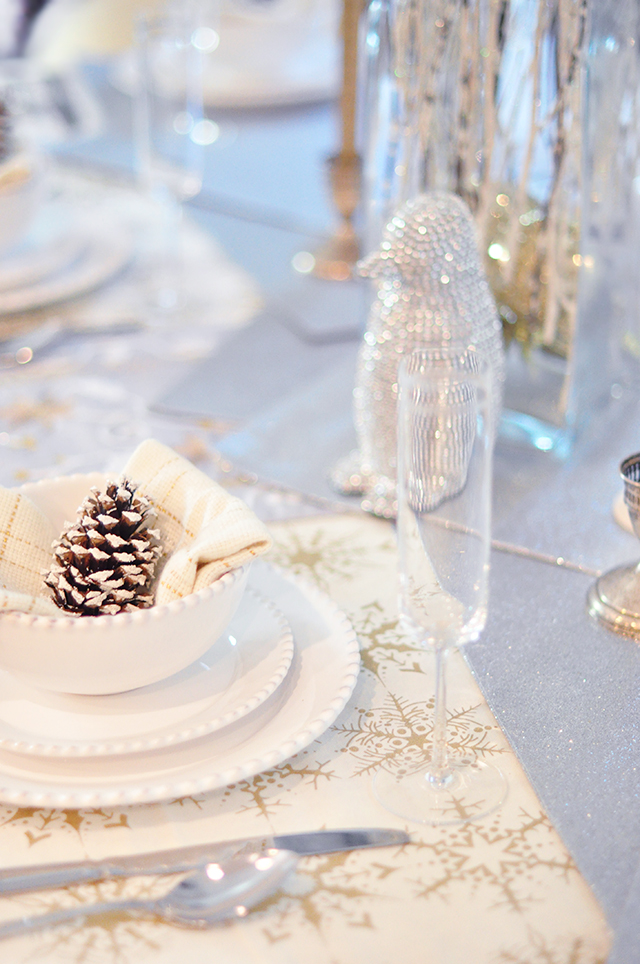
[[318, 556], [184, 802], [382, 644], [264, 793], [115, 937], [397, 735], [574, 950], [38, 825], [328, 888], [516, 864]]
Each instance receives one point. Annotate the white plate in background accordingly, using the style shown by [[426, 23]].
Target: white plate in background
[[90, 257]]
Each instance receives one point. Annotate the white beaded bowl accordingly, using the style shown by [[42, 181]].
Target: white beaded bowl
[[98, 655]]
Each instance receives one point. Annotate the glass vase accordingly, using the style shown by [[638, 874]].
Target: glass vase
[[526, 109]]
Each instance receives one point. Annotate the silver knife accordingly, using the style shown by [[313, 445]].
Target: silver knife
[[16, 880]]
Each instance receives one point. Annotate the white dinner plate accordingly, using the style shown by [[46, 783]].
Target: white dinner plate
[[40, 255], [316, 689], [267, 55], [95, 257], [238, 673], [232, 86]]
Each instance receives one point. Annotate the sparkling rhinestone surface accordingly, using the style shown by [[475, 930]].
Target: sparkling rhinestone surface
[[431, 291]]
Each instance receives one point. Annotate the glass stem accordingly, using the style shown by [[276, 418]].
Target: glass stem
[[440, 751], [167, 265]]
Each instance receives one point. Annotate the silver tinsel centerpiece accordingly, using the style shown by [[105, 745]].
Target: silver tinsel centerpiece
[[431, 291]]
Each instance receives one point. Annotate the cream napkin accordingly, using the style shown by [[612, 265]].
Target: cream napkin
[[205, 532], [25, 550]]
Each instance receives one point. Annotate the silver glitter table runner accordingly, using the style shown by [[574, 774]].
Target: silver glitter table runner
[[567, 694]]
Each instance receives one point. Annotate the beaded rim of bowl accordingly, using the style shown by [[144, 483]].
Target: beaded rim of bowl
[[91, 623]]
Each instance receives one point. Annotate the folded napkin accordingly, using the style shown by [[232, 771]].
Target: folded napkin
[[25, 550], [205, 532]]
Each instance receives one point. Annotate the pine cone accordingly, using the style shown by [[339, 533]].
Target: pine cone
[[105, 560]]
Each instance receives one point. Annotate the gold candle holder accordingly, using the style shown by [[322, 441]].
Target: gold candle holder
[[335, 261]]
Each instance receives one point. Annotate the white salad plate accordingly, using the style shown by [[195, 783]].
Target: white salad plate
[[91, 259], [237, 673], [45, 251], [314, 691]]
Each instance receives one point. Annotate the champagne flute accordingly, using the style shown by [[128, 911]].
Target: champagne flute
[[446, 425], [170, 134]]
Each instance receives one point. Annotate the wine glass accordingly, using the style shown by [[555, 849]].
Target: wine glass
[[446, 427], [170, 134]]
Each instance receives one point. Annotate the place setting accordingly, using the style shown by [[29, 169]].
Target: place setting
[[241, 670], [51, 249], [131, 707]]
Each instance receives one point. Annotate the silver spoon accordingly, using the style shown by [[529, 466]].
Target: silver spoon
[[209, 895]]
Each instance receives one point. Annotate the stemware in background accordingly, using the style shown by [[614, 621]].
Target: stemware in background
[[614, 598], [171, 132], [445, 451]]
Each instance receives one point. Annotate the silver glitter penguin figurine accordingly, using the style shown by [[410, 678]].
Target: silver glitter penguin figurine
[[431, 291]]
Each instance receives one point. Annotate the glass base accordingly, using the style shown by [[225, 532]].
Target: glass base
[[469, 791], [614, 600]]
